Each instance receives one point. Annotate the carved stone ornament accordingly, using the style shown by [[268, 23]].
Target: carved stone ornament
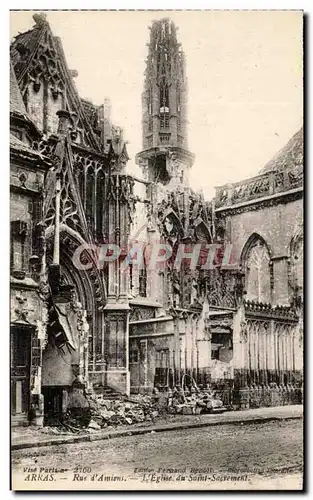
[[82, 323], [243, 331], [22, 309]]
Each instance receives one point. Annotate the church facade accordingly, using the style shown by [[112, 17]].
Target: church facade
[[120, 283]]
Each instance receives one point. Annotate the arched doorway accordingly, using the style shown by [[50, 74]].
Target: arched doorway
[[76, 342]]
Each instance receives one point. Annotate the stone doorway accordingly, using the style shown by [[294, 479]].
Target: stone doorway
[[20, 373]]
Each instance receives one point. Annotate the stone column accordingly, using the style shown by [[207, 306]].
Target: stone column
[[194, 343], [239, 339], [188, 343], [152, 267], [176, 347], [271, 350], [117, 307], [204, 343]]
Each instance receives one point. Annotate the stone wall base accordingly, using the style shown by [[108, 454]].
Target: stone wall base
[[261, 388], [259, 397]]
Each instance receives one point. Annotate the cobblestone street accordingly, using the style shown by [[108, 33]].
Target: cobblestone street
[[267, 455]]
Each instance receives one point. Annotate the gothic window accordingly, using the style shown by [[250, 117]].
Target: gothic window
[[142, 275], [150, 101], [100, 197], [36, 213], [90, 181], [131, 282], [258, 272], [164, 106], [143, 282], [164, 101], [18, 248]]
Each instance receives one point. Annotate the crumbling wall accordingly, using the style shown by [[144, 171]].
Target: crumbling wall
[[57, 366]]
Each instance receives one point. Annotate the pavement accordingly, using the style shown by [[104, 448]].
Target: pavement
[[263, 455], [30, 437]]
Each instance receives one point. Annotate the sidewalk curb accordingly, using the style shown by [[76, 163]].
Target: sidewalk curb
[[147, 430]]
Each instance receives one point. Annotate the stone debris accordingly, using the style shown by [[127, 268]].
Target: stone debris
[[92, 412], [125, 411], [194, 402], [94, 425]]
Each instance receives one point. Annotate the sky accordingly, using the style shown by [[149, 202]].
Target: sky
[[244, 72]]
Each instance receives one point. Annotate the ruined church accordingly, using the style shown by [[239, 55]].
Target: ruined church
[[232, 318]]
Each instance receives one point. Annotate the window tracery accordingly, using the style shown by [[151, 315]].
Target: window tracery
[[258, 272], [164, 106], [100, 197]]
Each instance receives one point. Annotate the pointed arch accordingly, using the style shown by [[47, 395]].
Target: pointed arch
[[170, 218], [88, 284], [70, 240], [297, 236], [78, 278], [253, 238], [255, 261], [203, 232], [90, 195]]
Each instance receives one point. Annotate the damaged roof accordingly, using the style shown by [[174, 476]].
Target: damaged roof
[[29, 49], [289, 156], [16, 101], [17, 106], [22, 149], [16, 143], [24, 45]]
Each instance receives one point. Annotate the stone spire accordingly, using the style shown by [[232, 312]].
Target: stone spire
[[164, 97], [165, 158]]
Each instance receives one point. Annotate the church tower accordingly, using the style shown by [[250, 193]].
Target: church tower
[[165, 157]]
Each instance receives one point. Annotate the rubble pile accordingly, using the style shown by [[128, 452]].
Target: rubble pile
[[128, 411], [95, 412], [78, 412], [194, 402]]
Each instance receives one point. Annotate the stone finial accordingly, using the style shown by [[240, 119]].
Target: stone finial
[[40, 18], [64, 121]]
